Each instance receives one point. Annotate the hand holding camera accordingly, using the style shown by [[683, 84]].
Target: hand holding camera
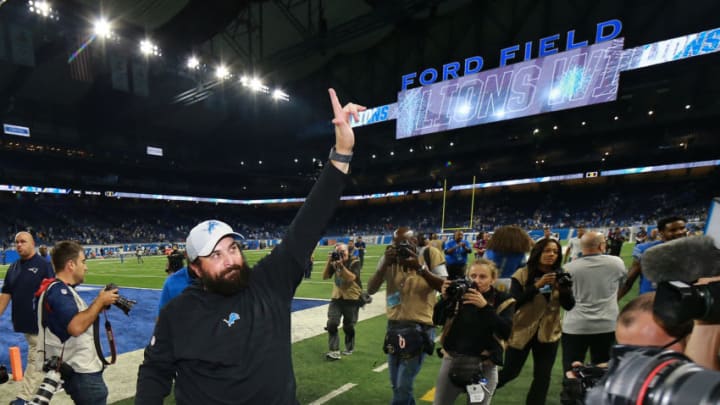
[[391, 255], [563, 279], [110, 295], [474, 297], [546, 279], [454, 292]]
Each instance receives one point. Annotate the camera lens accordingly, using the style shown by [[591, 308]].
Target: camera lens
[[651, 377]]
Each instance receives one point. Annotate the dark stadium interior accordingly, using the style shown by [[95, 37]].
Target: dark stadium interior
[[87, 135]]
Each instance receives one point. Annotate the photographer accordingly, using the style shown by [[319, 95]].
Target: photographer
[[475, 324], [345, 300], [540, 289], [456, 253], [66, 325], [410, 300]]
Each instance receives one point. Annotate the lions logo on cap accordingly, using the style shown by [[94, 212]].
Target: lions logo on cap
[[211, 226]]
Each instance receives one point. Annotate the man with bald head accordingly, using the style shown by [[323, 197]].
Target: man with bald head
[[22, 279], [591, 323], [637, 326]]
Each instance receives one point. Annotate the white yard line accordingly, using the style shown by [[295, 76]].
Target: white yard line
[[381, 368], [345, 388]]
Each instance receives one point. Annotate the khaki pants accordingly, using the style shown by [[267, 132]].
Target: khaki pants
[[33, 376]]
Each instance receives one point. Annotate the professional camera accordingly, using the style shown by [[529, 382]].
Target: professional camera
[[654, 376], [454, 293], [676, 302], [335, 256], [564, 280], [405, 250], [584, 378], [55, 372], [123, 303]]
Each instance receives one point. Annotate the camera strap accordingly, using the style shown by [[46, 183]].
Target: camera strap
[[110, 338]]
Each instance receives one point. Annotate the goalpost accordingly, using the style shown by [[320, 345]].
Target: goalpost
[[472, 209]]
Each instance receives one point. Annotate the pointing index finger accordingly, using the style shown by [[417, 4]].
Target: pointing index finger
[[337, 108]]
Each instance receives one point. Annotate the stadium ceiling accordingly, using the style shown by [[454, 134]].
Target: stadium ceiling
[[91, 122]]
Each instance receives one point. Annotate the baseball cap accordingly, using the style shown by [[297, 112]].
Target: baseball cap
[[202, 239]]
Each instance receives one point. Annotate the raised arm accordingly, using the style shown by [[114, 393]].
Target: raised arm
[[319, 207]]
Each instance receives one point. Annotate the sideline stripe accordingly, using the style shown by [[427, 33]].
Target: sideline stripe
[[333, 394], [380, 367]]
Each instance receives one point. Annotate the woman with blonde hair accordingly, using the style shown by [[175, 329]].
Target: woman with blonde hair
[[476, 325]]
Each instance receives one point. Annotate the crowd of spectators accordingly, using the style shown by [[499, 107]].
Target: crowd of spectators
[[101, 220]]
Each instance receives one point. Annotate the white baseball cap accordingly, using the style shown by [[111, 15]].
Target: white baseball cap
[[202, 239]]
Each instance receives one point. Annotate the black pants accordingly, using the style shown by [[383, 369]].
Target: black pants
[[456, 271], [543, 361], [574, 348], [348, 311]]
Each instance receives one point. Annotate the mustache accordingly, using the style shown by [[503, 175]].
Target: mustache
[[235, 267]]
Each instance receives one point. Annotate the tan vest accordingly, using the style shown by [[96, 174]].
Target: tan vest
[[79, 351], [540, 316], [417, 298], [346, 290]]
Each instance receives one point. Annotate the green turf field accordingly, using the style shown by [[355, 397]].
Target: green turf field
[[315, 376]]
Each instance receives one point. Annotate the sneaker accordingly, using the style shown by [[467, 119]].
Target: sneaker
[[333, 355], [346, 352], [18, 401]]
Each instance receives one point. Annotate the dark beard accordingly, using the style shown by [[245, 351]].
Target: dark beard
[[229, 282]]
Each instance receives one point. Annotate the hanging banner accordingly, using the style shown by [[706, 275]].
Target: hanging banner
[[577, 77]]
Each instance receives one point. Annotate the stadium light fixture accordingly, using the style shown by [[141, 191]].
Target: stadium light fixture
[[651, 112], [222, 72], [688, 106], [102, 28], [43, 8], [583, 123], [278, 94], [259, 162], [193, 62], [452, 144], [295, 160], [616, 118], [412, 150], [555, 127], [392, 153], [374, 156], [257, 86], [148, 48], [536, 131]]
